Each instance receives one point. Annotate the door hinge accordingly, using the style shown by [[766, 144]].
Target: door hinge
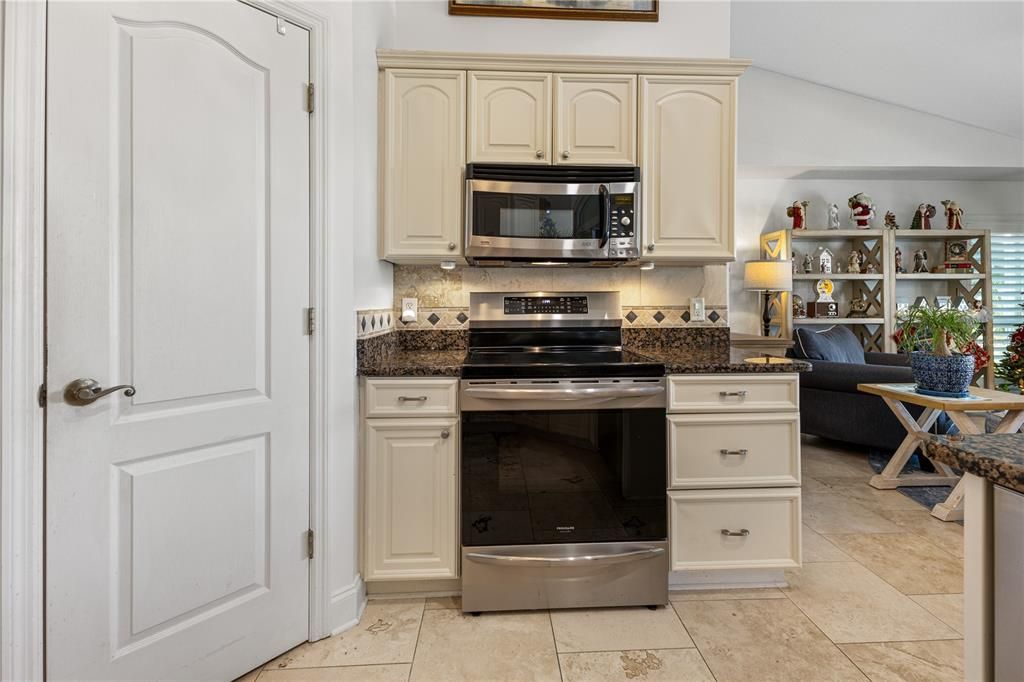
[[310, 97], [309, 543], [41, 395], [310, 321]]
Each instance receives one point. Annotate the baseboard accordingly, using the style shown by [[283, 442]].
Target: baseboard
[[347, 606], [727, 579], [402, 589]]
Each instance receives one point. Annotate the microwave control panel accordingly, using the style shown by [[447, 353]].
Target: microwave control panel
[[536, 305], [623, 229]]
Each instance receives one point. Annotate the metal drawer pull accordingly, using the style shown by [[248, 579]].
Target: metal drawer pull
[[412, 399], [612, 558], [515, 393], [732, 394], [741, 452], [741, 533]]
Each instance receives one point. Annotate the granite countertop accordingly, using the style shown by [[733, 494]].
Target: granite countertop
[[999, 457], [700, 361], [415, 363]]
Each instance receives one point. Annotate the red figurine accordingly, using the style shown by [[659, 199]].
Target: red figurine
[[862, 211], [954, 215], [798, 212]]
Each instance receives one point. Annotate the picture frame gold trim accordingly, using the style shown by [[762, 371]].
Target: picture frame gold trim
[[467, 8]]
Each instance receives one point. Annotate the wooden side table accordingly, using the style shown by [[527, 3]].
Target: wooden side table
[[895, 395]]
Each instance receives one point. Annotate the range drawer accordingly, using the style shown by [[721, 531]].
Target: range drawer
[[698, 393], [727, 529], [412, 397], [734, 450]]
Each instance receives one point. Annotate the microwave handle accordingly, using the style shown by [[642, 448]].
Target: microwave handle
[[603, 207]]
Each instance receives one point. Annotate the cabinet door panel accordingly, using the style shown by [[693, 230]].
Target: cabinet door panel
[[688, 131], [595, 119], [411, 497], [423, 128], [510, 117]]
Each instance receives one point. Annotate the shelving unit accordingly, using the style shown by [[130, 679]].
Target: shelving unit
[[886, 288]]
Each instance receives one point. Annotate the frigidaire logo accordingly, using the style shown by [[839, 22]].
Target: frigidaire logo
[[565, 529]]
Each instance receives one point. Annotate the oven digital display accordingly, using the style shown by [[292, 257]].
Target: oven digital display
[[547, 305]]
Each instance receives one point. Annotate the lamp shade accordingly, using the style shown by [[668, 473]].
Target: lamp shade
[[768, 275]]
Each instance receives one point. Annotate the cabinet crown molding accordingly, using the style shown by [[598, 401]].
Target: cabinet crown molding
[[417, 59]]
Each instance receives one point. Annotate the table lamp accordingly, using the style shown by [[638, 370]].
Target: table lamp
[[768, 277]]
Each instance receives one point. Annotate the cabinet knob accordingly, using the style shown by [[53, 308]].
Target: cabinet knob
[[445, 433], [565, 155], [451, 246], [540, 154], [650, 247]]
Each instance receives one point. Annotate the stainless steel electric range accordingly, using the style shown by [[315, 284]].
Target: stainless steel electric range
[[563, 457]]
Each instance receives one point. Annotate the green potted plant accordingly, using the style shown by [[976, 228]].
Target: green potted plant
[[935, 339]]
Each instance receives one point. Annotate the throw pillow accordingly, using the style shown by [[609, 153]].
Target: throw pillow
[[835, 344]]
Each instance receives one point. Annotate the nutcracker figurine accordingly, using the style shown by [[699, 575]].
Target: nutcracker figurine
[[923, 217], [862, 211], [798, 212], [954, 215]]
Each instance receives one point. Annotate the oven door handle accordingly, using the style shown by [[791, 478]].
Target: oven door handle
[[589, 559], [575, 393]]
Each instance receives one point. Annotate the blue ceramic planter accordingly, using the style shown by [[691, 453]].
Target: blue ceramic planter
[[942, 374]]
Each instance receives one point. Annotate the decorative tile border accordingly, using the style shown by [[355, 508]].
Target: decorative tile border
[[673, 316], [370, 323]]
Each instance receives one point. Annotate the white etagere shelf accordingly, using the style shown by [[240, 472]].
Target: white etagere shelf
[[885, 288]]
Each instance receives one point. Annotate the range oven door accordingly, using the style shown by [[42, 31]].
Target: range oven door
[[551, 215], [563, 493]]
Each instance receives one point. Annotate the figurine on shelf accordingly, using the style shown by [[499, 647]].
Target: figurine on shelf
[[899, 262], [792, 259], [890, 221], [859, 307], [862, 260], [824, 258], [871, 269], [920, 261], [833, 216], [798, 212], [862, 211], [808, 263], [853, 263], [799, 308], [979, 312], [923, 217], [954, 215]]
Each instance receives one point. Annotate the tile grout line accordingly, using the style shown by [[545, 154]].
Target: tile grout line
[[416, 646], [695, 645], [554, 645]]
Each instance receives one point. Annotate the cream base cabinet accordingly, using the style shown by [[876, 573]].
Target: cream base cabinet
[[411, 498], [422, 164], [509, 117], [688, 160], [595, 119]]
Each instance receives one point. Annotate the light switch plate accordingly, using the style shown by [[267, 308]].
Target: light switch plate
[[409, 309], [697, 310]]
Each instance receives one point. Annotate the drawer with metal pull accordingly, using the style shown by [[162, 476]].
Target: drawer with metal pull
[[406, 397], [698, 393], [726, 529], [734, 450]]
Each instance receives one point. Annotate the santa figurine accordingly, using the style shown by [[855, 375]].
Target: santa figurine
[[833, 217], [899, 261], [923, 217], [890, 221], [954, 215], [853, 262], [920, 261], [862, 211], [798, 212]]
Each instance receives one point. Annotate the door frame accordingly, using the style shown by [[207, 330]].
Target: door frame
[[22, 328]]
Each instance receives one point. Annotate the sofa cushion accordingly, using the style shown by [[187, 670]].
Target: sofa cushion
[[835, 344]]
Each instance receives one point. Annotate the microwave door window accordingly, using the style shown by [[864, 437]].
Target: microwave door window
[[535, 216]]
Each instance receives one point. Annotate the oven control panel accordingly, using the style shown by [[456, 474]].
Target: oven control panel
[[548, 305], [622, 228]]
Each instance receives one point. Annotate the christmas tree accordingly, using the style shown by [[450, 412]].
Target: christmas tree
[[1011, 367]]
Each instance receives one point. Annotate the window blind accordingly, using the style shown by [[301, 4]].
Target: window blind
[[1007, 288]]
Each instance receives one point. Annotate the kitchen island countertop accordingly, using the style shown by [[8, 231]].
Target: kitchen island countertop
[[998, 457]]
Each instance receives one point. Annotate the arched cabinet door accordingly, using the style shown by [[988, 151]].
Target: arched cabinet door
[[595, 119], [688, 160], [510, 117], [423, 157]]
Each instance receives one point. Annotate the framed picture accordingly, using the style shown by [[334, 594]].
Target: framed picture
[[600, 10]]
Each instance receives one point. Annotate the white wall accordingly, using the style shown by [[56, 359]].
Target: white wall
[[761, 207]]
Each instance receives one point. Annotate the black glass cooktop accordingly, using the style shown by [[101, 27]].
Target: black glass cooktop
[[555, 363]]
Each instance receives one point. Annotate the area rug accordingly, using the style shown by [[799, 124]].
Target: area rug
[[926, 496]]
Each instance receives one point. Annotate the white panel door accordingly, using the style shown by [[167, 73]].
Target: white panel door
[[509, 117], [178, 262], [688, 149], [595, 119]]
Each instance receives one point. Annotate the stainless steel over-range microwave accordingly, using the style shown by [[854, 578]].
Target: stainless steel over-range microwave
[[534, 215]]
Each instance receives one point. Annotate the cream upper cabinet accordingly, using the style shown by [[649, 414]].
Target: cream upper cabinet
[[411, 494], [688, 160], [595, 119], [422, 164], [509, 117]]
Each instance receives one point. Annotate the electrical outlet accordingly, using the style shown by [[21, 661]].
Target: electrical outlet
[[409, 309], [697, 309]]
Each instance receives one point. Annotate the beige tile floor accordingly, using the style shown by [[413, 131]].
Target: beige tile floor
[[879, 598]]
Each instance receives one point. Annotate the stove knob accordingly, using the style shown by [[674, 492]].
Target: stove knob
[[625, 220]]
